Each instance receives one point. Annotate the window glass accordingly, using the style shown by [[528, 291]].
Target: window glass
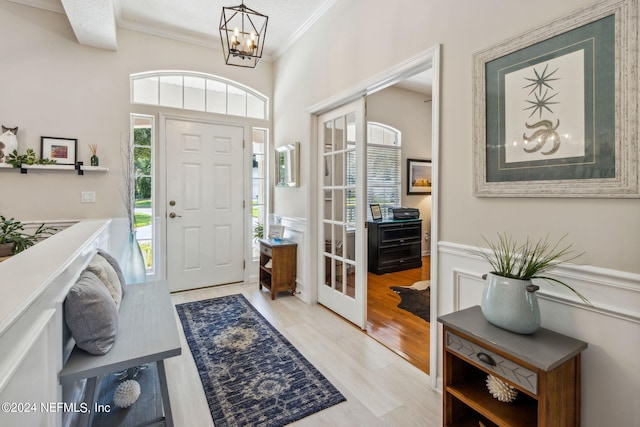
[[194, 93], [171, 91], [255, 106], [199, 92], [236, 101], [384, 181], [143, 137], [145, 90], [259, 187], [216, 97]]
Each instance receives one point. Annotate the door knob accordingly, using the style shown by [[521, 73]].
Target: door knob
[[172, 203], [173, 215]]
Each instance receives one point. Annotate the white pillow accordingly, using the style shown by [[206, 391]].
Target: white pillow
[[108, 276]]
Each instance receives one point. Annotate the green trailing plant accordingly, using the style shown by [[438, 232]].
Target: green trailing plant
[[529, 260], [258, 231], [12, 231], [29, 158]]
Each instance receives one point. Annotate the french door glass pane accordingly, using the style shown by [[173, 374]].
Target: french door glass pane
[[339, 204]]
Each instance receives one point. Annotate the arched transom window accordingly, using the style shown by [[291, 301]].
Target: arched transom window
[[199, 92], [383, 166]]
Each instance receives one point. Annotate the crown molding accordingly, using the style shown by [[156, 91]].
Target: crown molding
[[303, 28]]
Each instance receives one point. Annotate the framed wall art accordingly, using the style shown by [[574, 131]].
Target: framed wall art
[[555, 109], [376, 212], [418, 176], [62, 150]]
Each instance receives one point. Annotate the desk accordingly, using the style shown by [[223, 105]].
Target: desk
[[147, 333]]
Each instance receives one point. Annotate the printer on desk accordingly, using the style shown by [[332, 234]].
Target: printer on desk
[[405, 213]]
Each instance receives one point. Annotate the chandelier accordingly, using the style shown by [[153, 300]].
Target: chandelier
[[242, 32]]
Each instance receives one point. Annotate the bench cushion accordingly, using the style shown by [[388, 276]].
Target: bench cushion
[[108, 275], [91, 314]]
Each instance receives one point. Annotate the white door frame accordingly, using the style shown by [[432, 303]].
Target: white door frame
[[161, 204], [429, 58]]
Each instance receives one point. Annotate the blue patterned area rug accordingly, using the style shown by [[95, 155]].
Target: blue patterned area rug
[[252, 376]]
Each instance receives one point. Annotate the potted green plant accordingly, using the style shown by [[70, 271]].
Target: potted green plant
[[258, 231], [509, 299], [13, 238]]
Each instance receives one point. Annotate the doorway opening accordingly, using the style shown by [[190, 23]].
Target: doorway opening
[[398, 299]]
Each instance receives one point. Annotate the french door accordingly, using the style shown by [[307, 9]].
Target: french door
[[342, 189]]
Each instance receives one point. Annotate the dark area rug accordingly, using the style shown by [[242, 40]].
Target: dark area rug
[[251, 374], [415, 301]]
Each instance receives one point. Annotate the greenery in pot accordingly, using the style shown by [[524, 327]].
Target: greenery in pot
[[529, 260], [12, 231], [258, 231], [17, 160]]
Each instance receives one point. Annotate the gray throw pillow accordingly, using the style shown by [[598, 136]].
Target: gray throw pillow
[[91, 314], [114, 263]]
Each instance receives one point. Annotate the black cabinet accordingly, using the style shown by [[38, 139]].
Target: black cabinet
[[394, 245]]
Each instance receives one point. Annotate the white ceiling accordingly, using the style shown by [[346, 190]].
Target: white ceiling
[[192, 21], [94, 22]]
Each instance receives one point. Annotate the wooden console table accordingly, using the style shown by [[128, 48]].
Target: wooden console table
[[544, 367]]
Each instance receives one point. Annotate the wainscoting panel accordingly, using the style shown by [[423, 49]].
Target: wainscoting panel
[[610, 326]]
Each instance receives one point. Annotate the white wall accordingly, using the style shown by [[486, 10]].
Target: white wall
[[324, 63], [408, 112], [52, 86]]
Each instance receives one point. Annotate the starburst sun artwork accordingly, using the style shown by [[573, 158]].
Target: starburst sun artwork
[[543, 118]]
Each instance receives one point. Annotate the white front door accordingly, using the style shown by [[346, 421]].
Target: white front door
[[342, 182], [204, 204]]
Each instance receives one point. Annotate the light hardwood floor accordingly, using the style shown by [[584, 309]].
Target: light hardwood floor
[[382, 389]]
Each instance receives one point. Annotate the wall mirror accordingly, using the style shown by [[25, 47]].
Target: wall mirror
[[287, 165]]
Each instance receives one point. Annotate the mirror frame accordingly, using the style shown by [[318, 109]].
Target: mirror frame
[[287, 165]]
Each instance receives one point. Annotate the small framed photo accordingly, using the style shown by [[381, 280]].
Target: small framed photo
[[376, 213], [276, 232], [62, 150], [418, 176]]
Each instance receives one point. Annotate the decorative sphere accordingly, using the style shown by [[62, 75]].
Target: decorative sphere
[[501, 390], [126, 393]]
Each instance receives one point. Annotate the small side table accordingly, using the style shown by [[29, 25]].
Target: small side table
[[278, 265], [543, 367]]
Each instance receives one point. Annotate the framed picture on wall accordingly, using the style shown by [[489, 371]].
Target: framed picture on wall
[[62, 150], [552, 108], [418, 176]]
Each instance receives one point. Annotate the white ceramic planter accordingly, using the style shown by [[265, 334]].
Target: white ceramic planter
[[511, 304]]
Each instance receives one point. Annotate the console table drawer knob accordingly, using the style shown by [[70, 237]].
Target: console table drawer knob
[[485, 358]]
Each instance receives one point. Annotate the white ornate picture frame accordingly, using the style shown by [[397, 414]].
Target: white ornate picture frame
[[556, 108]]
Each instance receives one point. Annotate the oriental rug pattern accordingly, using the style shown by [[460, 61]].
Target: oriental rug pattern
[[251, 374]]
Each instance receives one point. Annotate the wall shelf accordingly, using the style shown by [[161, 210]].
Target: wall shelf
[[79, 167]]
